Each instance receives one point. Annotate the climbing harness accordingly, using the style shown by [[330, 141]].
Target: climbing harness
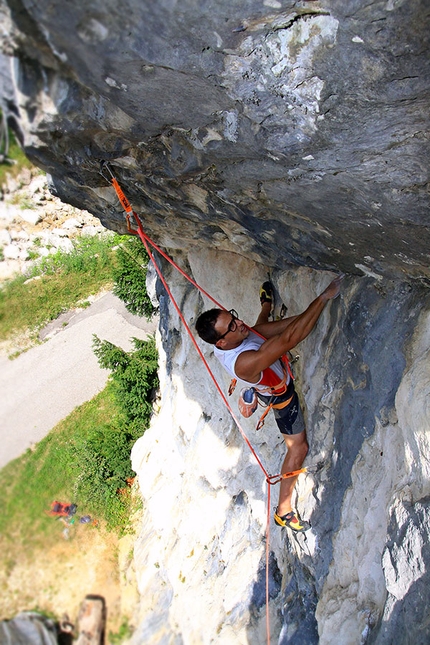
[[135, 228], [246, 408], [276, 406]]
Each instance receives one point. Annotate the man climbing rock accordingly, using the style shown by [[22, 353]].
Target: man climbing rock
[[259, 363]]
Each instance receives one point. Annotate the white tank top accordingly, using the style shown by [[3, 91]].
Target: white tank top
[[228, 358]]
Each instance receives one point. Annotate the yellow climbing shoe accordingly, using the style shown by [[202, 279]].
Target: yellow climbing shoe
[[266, 292], [292, 521]]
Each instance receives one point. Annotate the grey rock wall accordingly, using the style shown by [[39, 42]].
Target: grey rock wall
[[254, 136], [237, 124], [360, 576]]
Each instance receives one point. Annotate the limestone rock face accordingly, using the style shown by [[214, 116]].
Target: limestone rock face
[[363, 376], [254, 136]]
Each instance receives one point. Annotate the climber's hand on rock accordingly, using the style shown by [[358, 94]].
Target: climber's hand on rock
[[333, 289]]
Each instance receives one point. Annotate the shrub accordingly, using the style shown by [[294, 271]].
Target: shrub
[[134, 379], [104, 453], [104, 467], [129, 276], [124, 633]]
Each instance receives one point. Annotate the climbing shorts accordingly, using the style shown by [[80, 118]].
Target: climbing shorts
[[289, 419]]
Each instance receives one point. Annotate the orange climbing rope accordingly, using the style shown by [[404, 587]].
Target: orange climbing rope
[[270, 479]]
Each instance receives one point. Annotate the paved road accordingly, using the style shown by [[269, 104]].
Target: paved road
[[43, 385]]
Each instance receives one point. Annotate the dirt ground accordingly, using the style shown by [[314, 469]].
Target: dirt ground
[[84, 560]]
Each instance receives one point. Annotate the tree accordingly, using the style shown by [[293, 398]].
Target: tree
[[130, 277]]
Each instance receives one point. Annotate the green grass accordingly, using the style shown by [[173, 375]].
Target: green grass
[[52, 471], [63, 280], [124, 632]]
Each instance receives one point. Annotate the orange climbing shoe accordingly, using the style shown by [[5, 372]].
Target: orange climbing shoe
[[292, 521]]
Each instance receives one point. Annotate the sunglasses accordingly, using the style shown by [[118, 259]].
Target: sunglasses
[[232, 325]]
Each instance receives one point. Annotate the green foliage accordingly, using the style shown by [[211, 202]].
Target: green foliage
[[104, 467], [49, 472], [85, 460], [64, 279], [134, 379], [103, 453], [90, 256], [129, 277], [124, 633]]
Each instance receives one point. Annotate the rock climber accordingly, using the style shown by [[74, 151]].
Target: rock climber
[[257, 362]]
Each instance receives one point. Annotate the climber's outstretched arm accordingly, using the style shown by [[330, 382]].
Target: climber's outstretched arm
[[250, 364]]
